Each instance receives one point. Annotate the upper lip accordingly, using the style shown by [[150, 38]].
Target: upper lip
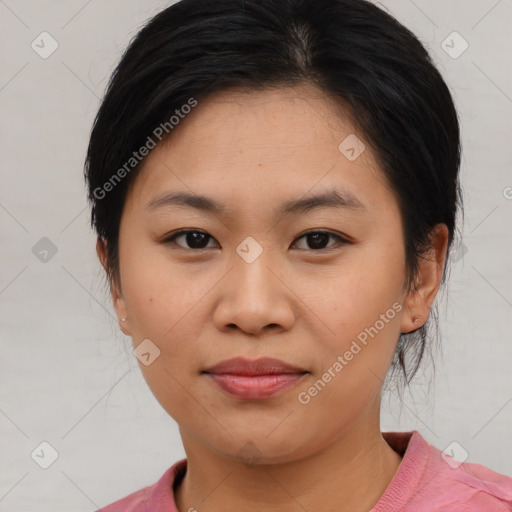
[[261, 366]]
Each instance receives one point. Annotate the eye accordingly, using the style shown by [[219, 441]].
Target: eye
[[198, 240], [195, 238], [318, 239]]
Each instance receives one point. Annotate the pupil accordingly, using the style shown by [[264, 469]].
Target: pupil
[[194, 240], [318, 239], [200, 240]]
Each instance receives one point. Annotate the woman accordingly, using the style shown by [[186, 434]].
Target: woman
[[274, 185]]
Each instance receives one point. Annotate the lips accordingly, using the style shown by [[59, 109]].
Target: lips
[[262, 366], [254, 379]]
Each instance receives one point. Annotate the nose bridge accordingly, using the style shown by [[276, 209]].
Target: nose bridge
[[251, 266], [255, 297]]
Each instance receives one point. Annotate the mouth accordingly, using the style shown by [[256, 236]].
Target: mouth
[[254, 379]]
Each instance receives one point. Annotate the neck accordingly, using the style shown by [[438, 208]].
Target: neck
[[350, 474]]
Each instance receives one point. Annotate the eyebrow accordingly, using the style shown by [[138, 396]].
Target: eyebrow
[[329, 199]]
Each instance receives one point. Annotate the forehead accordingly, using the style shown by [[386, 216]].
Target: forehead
[[264, 144], [293, 116]]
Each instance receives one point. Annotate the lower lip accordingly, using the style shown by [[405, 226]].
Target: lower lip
[[255, 387]]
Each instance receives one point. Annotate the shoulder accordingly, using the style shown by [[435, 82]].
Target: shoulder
[[429, 479], [158, 496], [135, 502], [465, 484]]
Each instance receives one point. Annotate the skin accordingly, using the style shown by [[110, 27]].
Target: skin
[[252, 151]]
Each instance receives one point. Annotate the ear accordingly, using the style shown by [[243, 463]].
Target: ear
[[430, 273], [115, 288]]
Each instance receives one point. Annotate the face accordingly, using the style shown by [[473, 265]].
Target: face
[[318, 286]]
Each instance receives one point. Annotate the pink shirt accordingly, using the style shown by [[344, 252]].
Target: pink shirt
[[424, 482]]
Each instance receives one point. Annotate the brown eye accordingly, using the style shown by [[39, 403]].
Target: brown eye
[[317, 240], [198, 240], [194, 238]]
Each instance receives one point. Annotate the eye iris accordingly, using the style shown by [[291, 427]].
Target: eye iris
[[199, 240], [196, 239], [317, 240]]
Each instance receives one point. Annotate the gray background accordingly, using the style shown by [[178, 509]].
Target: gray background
[[68, 375]]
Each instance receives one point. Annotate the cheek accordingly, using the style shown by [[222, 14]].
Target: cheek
[[159, 295], [163, 314], [353, 362], [164, 306], [367, 286], [365, 312]]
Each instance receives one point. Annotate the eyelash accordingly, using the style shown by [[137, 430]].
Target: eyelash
[[340, 239]]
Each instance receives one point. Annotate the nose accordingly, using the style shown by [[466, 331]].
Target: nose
[[255, 298]]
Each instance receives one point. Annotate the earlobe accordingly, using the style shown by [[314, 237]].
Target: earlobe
[[120, 307], [115, 292], [429, 276]]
